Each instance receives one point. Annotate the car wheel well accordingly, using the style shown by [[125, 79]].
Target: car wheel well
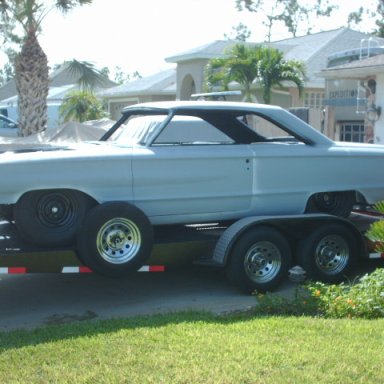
[[337, 203], [58, 190]]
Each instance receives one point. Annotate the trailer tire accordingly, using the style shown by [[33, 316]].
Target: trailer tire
[[116, 239], [259, 260], [51, 218], [329, 254]]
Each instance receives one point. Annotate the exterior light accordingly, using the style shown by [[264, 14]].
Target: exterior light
[[373, 113]]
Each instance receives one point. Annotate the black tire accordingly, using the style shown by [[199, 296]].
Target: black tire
[[51, 218], [116, 239], [6, 213], [333, 203], [329, 254], [259, 260]]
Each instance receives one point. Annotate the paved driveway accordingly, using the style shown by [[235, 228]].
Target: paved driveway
[[38, 299], [32, 300]]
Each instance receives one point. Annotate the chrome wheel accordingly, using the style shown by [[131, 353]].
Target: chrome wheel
[[118, 240], [262, 262], [332, 254]]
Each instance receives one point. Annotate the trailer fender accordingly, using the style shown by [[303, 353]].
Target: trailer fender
[[294, 227]]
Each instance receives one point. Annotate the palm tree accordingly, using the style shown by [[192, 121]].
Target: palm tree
[[240, 65], [81, 105], [274, 70], [31, 64], [247, 65]]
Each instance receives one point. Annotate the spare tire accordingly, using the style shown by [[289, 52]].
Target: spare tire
[[51, 218], [116, 239]]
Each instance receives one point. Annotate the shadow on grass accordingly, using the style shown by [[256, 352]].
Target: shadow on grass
[[52, 333]]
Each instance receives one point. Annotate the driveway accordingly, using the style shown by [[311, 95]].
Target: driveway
[[28, 301], [38, 299]]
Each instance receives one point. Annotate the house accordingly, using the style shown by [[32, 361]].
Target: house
[[355, 95], [62, 82], [188, 79], [158, 87]]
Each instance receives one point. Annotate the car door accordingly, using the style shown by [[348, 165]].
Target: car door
[[210, 178], [287, 171]]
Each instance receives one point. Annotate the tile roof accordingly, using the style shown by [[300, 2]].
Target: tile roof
[[312, 49], [160, 83]]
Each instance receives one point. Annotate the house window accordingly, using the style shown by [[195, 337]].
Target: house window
[[314, 100], [352, 131]]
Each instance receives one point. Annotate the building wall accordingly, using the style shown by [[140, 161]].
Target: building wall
[[190, 78], [379, 124]]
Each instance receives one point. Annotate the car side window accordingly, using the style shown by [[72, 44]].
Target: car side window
[[191, 130], [268, 130]]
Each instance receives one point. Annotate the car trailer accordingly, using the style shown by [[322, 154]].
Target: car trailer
[[256, 252]]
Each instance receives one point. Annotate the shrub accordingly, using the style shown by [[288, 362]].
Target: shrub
[[362, 299], [301, 304], [365, 299]]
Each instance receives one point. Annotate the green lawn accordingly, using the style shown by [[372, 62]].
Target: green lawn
[[197, 348]]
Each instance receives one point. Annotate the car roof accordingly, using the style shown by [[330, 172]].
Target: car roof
[[275, 113], [201, 105]]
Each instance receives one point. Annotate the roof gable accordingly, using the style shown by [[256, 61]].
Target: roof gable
[[159, 83]]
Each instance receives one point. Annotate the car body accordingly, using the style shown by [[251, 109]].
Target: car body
[[191, 162], [8, 127]]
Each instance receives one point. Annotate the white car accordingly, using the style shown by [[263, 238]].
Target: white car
[[8, 127], [177, 163]]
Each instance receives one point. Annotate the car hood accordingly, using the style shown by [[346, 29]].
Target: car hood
[[48, 152], [38, 147]]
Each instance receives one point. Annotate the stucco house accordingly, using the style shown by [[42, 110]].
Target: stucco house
[[313, 50], [158, 87], [355, 96]]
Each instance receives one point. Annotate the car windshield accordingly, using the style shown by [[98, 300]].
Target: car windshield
[[138, 129]]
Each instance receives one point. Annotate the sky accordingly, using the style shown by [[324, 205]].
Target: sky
[[137, 35]]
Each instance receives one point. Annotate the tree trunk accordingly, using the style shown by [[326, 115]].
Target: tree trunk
[[32, 83]]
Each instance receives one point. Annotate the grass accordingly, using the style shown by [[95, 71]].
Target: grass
[[197, 348]]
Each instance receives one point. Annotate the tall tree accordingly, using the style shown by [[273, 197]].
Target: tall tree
[[274, 70], [380, 21], [295, 15], [247, 65], [271, 11], [6, 73], [239, 33], [31, 64]]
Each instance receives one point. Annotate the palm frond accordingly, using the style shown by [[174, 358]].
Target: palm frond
[[88, 77], [379, 206]]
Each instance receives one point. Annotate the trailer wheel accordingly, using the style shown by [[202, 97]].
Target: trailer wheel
[[328, 254], [51, 217], [116, 239], [259, 260]]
